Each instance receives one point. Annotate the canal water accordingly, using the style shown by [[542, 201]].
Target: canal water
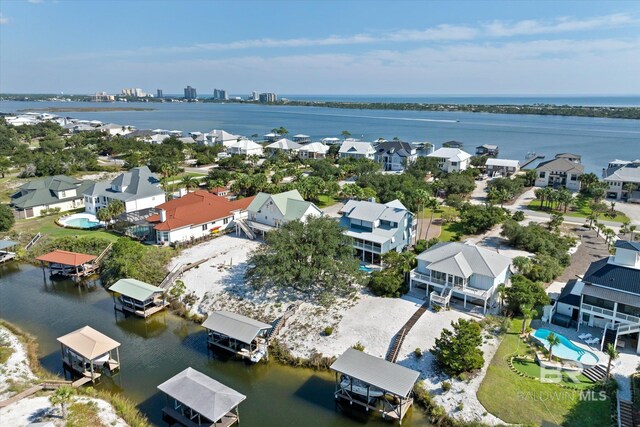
[[154, 350]]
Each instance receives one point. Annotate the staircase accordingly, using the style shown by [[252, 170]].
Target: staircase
[[444, 297], [103, 254], [625, 414], [596, 373], [171, 277], [398, 338], [247, 230], [610, 336], [33, 241], [281, 321]]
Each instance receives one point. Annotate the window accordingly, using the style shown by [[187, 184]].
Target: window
[[574, 177], [454, 163], [204, 227], [225, 221], [541, 174]]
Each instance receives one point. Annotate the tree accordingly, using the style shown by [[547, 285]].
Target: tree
[[458, 351], [613, 355], [280, 131], [6, 218], [502, 293], [553, 341], [627, 187], [525, 292], [62, 396], [189, 182], [314, 258], [527, 313], [587, 180], [477, 219], [556, 221], [5, 164], [345, 134], [432, 204]]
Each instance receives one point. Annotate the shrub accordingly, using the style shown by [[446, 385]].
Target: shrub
[[418, 352], [446, 386], [387, 284], [518, 216], [477, 219], [458, 351], [358, 346], [328, 331], [460, 406]]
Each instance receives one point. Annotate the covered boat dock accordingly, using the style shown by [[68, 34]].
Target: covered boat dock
[[138, 297], [239, 334], [7, 250], [88, 352], [69, 264], [374, 383], [195, 399]]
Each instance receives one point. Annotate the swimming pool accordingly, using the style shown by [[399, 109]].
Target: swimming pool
[[366, 269], [81, 220], [566, 349]]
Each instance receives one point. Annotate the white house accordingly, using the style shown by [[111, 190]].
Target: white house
[[218, 136], [138, 189], [283, 145], [245, 147], [356, 150], [460, 271], [113, 129], [314, 150], [503, 167], [196, 215], [563, 171], [451, 159], [623, 178], [395, 155], [301, 138], [269, 211]]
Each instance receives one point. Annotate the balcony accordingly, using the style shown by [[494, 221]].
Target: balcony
[[472, 292], [370, 247], [433, 281], [620, 317]]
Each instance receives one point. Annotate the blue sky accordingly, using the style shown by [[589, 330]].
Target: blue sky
[[321, 47]]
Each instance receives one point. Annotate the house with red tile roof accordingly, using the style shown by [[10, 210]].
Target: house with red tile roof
[[196, 215]]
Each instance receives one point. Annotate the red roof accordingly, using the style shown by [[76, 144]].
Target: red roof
[[216, 190], [67, 258], [195, 208]]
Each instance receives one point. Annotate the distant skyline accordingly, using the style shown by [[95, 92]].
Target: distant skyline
[[321, 47]]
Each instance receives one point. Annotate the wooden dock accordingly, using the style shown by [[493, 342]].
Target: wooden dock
[[226, 421], [398, 339], [531, 160]]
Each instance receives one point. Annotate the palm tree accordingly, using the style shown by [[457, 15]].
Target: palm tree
[[553, 341], [189, 182], [502, 292], [565, 198], [422, 196], [522, 264], [103, 215], [62, 396], [527, 314], [628, 187], [593, 217], [432, 203], [115, 209], [613, 355]]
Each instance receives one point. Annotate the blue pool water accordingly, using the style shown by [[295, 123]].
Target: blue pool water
[[81, 223], [566, 349], [365, 268]]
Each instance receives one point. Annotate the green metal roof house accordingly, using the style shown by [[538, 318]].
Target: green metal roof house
[[57, 191]]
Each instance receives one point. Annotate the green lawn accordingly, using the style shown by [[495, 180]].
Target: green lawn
[[46, 225], [182, 175], [324, 201], [447, 231], [521, 400], [580, 209]]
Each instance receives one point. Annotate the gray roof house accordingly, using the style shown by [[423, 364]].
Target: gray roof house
[[270, 211], [395, 155], [623, 178], [138, 189], [356, 150], [378, 228], [465, 272], [560, 172], [283, 145], [607, 297], [194, 398], [57, 191]]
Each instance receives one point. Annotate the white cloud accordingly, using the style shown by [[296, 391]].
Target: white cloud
[[560, 25], [34, 1], [3, 19]]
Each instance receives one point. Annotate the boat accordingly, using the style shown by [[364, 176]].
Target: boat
[[358, 387], [257, 355]]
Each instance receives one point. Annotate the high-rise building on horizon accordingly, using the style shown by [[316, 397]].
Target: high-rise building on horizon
[[190, 93], [220, 94], [133, 92], [268, 97], [255, 96], [159, 93]]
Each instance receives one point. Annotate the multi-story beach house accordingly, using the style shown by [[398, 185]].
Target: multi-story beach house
[[270, 211], [54, 192], [356, 150], [607, 297], [452, 159], [460, 271], [218, 136], [563, 171], [503, 167], [196, 215], [623, 178], [395, 155], [138, 189], [378, 228]]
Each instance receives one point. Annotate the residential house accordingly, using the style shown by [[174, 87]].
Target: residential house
[[378, 228], [196, 215], [395, 155], [487, 150], [314, 150], [356, 150], [460, 271], [301, 139], [607, 297], [563, 171], [283, 145], [138, 189], [218, 136], [502, 167], [245, 147], [54, 192], [452, 159], [270, 211], [623, 178], [113, 129]]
